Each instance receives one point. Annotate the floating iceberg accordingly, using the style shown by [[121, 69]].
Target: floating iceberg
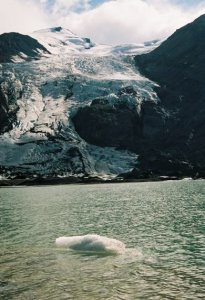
[[92, 243]]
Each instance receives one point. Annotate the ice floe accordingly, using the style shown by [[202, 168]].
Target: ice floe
[[92, 243]]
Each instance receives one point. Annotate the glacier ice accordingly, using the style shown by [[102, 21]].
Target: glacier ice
[[92, 243], [48, 92]]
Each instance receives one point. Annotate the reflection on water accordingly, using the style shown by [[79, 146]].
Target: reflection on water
[[162, 225]]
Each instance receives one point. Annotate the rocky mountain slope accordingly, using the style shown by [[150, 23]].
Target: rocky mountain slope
[[15, 47], [18, 47], [86, 110], [178, 67], [41, 98]]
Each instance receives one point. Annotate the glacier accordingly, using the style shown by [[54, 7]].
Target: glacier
[[46, 94]]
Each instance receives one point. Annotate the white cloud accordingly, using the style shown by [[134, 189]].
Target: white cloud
[[126, 21], [21, 16], [64, 7], [113, 22]]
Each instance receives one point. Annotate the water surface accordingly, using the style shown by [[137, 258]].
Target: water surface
[[162, 225]]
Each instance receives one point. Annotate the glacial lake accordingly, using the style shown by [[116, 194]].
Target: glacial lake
[[161, 223]]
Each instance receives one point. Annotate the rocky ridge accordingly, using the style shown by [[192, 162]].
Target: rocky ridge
[[178, 68], [18, 47]]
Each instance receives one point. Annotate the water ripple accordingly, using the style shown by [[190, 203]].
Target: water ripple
[[162, 225]]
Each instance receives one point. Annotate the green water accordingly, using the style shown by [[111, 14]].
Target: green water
[[162, 225]]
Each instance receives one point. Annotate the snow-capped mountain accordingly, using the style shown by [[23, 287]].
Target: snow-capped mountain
[[84, 109], [59, 40], [39, 99], [62, 41]]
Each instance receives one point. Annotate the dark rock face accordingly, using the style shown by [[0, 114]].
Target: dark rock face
[[153, 123], [178, 66], [12, 44], [57, 29], [178, 63], [10, 92], [74, 161], [4, 117], [108, 125]]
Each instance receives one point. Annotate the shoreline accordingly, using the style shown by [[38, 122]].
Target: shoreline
[[18, 182]]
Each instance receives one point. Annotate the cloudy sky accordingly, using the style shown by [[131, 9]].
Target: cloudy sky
[[105, 21]]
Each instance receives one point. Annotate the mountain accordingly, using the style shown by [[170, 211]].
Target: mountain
[[178, 66], [59, 40], [86, 110], [16, 46], [41, 100]]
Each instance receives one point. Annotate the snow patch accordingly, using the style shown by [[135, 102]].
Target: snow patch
[[59, 40]]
